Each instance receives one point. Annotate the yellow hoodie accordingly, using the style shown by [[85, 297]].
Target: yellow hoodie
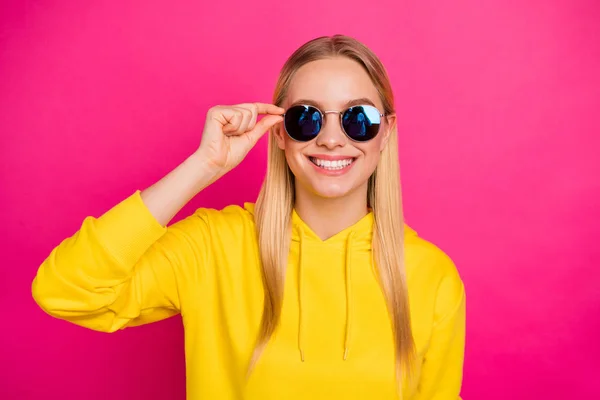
[[334, 341]]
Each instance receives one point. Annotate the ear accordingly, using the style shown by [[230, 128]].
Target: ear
[[389, 127], [278, 132]]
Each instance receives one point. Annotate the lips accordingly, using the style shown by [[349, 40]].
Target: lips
[[332, 165]]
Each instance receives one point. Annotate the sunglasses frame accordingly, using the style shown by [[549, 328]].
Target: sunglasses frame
[[340, 113]]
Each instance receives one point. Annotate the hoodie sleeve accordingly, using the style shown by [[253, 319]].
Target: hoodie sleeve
[[122, 269], [442, 370]]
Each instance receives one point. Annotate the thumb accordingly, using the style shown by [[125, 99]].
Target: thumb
[[262, 126]]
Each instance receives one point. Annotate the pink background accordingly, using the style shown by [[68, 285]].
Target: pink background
[[498, 105]]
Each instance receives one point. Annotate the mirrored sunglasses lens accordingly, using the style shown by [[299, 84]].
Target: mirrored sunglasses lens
[[361, 123], [303, 123]]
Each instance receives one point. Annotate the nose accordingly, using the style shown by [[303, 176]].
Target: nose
[[331, 135]]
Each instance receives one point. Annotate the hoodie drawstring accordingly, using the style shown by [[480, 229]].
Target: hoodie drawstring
[[348, 296], [348, 293], [300, 286]]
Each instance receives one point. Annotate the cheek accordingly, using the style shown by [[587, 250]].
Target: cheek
[[293, 153], [372, 153]]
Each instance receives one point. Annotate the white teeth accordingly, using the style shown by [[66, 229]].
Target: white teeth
[[332, 165]]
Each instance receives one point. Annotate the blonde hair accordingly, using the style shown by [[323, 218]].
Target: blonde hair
[[276, 201]]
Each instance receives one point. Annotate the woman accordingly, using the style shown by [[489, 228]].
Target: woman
[[319, 290]]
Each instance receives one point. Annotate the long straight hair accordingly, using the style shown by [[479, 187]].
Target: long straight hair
[[276, 201]]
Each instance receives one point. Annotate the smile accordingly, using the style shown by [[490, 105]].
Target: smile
[[331, 165]]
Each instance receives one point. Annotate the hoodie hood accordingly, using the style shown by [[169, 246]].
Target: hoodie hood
[[363, 229], [350, 242]]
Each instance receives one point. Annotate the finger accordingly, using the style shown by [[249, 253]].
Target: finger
[[253, 109], [246, 120], [263, 126], [253, 121], [272, 109], [231, 120], [224, 116]]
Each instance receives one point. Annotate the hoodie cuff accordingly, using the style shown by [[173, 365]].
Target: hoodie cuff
[[128, 230]]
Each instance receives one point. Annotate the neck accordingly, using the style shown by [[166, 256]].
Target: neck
[[328, 216]]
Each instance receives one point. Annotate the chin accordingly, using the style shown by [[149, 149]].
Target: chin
[[331, 194], [330, 190]]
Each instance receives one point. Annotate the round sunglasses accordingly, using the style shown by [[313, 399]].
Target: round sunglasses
[[360, 123]]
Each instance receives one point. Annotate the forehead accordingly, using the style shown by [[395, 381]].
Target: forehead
[[332, 83]]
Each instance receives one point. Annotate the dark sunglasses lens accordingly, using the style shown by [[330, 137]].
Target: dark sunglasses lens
[[361, 123], [303, 123]]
